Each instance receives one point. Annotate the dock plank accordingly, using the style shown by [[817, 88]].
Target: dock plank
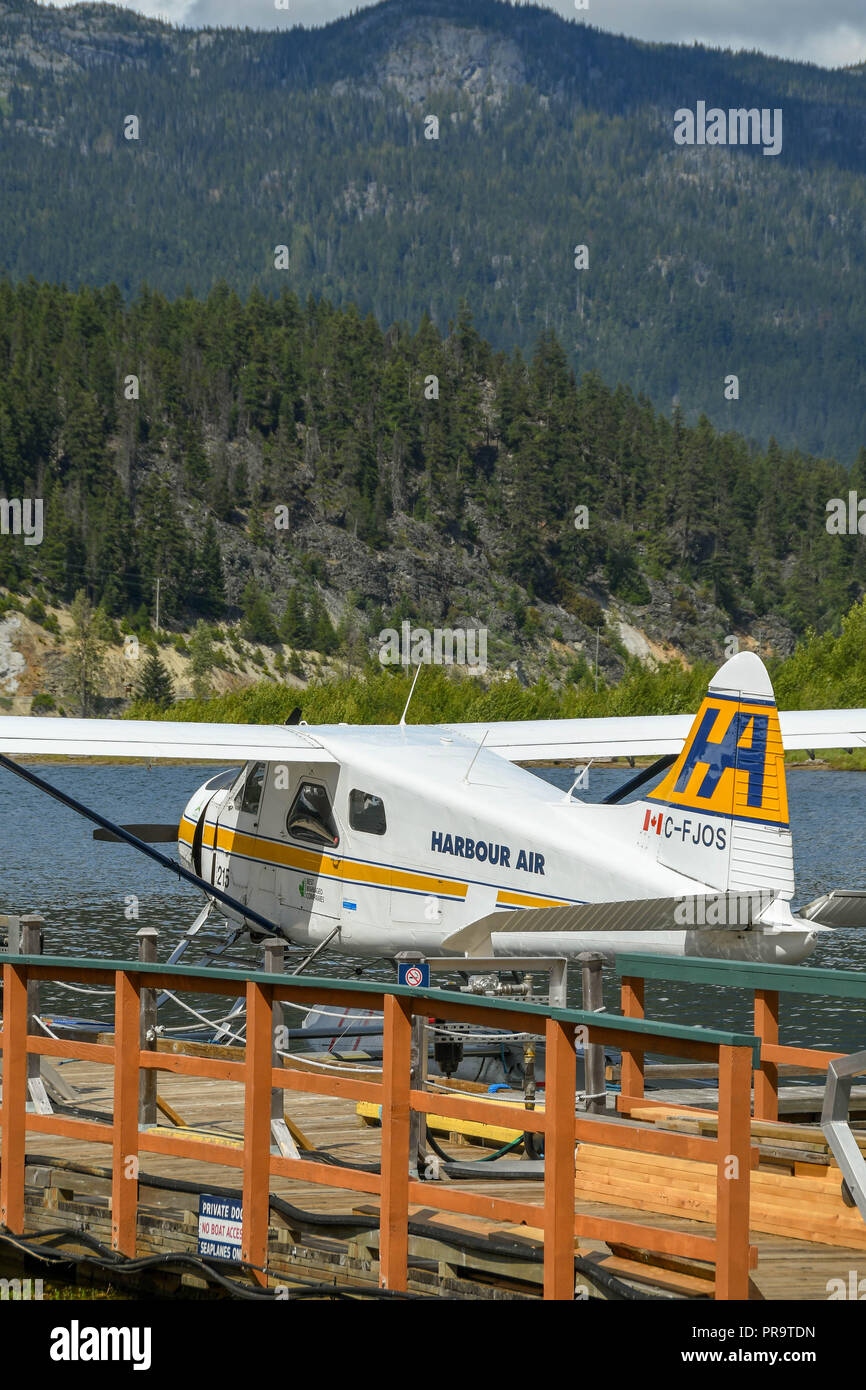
[[788, 1268]]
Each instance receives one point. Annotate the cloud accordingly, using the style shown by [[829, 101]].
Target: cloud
[[176, 11], [265, 14], [832, 33], [252, 14]]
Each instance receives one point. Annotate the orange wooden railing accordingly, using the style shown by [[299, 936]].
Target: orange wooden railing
[[766, 983], [728, 1250]]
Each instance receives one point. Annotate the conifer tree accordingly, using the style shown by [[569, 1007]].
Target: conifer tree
[[258, 624], [86, 657], [209, 587], [294, 628], [202, 653], [155, 685], [323, 637]]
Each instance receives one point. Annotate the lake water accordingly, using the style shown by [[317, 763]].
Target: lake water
[[51, 865]]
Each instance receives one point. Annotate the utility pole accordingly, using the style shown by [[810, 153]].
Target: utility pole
[[156, 622]]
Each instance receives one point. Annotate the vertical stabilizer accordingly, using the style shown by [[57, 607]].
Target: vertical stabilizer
[[720, 814]]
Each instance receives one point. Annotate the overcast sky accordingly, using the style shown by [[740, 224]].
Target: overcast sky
[[832, 32]]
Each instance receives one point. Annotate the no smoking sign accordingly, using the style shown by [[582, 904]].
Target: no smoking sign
[[415, 976]]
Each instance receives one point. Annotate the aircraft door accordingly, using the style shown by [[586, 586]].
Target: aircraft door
[[310, 883], [237, 826]]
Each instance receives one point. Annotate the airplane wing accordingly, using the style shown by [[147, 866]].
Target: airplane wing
[[638, 736], [141, 738], [518, 740]]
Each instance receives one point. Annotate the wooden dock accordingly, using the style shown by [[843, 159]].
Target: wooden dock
[[651, 1199], [787, 1268]]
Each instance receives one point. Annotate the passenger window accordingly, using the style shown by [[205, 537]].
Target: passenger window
[[311, 818], [367, 813], [253, 789]]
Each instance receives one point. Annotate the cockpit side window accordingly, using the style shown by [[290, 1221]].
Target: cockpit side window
[[311, 818], [367, 813], [222, 779], [253, 787]]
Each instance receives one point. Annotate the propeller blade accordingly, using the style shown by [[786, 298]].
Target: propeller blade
[[151, 834]]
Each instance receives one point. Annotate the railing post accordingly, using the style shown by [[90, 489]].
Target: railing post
[[13, 934], [418, 1082], [124, 1177], [632, 1068], [394, 1212], [31, 944], [282, 1141], [733, 1169], [560, 1076], [593, 1053], [13, 1141], [767, 1074], [147, 939], [257, 1127]]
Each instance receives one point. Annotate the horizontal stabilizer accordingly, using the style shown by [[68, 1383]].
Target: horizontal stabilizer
[[706, 911], [642, 736], [842, 907]]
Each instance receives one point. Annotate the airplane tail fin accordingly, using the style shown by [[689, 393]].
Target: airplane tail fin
[[720, 814]]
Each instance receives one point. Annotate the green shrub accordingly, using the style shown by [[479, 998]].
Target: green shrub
[[35, 611], [585, 609]]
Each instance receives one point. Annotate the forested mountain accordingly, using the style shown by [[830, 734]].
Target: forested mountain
[[292, 461], [703, 261]]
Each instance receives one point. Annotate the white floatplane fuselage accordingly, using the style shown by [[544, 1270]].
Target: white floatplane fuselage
[[451, 835]]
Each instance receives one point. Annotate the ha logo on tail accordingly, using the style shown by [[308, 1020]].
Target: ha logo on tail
[[720, 814]]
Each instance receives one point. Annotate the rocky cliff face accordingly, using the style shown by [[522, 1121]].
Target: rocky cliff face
[[424, 60]]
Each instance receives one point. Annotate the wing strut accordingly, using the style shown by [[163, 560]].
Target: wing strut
[[163, 860], [646, 774]]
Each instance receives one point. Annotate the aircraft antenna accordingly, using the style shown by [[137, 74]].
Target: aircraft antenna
[[411, 693], [581, 780], [475, 755]]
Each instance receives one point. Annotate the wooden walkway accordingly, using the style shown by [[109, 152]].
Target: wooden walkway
[[787, 1269]]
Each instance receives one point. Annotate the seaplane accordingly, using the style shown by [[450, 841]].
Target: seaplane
[[440, 840]]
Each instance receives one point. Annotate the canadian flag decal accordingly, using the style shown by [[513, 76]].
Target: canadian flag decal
[[653, 821]]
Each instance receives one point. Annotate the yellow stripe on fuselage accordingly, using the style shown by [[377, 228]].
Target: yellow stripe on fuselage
[[506, 897], [184, 837], [317, 864], [324, 865]]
